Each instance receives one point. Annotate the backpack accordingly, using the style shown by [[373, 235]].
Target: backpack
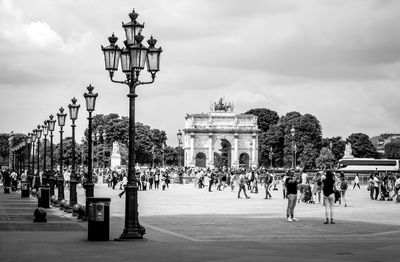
[[343, 185]]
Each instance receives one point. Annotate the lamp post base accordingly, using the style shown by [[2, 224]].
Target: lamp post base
[[132, 230]]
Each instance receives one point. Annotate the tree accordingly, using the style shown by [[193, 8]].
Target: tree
[[338, 146], [148, 142], [361, 145], [308, 134], [266, 119], [392, 150], [326, 159], [308, 157], [4, 146]]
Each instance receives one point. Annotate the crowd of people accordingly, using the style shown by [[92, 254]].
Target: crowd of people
[[325, 187]]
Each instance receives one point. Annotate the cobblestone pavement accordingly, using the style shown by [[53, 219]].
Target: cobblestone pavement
[[185, 223]]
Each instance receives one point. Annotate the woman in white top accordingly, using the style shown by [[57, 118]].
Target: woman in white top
[[356, 181]]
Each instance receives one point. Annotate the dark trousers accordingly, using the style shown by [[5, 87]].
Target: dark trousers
[[376, 192], [242, 187], [210, 185], [357, 184], [371, 192]]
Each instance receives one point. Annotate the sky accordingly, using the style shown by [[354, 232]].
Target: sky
[[337, 60]]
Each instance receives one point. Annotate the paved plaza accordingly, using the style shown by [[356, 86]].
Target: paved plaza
[[185, 223]]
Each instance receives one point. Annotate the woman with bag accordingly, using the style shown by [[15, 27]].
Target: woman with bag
[[329, 189]]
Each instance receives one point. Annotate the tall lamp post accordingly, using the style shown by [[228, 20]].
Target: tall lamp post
[[179, 135], [133, 60], [38, 136], [60, 179], [90, 105], [73, 115], [28, 141], [45, 133], [50, 127], [33, 158], [294, 148], [104, 136]]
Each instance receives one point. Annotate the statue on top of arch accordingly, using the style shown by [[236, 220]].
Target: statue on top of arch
[[221, 106]]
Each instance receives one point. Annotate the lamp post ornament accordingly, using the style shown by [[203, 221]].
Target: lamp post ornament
[[73, 114], [134, 58]]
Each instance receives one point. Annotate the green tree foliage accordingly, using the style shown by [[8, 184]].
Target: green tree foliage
[[171, 155], [266, 119], [392, 150], [338, 147], [148, 142], [326, 159], [4, 147], [362, 146], [307, 137], [308, 157]]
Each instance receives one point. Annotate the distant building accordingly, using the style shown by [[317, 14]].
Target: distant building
[[380, 141]]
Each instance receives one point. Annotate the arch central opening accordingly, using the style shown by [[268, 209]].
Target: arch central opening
[[222, 156]]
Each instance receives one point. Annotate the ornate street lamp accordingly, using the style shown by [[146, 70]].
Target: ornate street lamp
[[179, 135], [294, 147], [32, 175], [28, 141], [104, 136], [133, 58], [73, 115], [50, 127], [60, 179], [90, 105], [38, 136], [45, 133]]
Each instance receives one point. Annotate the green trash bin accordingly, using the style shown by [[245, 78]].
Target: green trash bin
[[98, 218], [44, 196], [24, 189]]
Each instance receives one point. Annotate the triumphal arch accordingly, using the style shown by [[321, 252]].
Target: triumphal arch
[[221, 138]]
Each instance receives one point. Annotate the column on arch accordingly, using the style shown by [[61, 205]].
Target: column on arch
[[253, 150], [235, 159], [210, 150], [192, 156]]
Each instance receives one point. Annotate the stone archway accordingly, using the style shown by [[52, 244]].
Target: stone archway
[[244, 160], [201, 159], [221, 135]]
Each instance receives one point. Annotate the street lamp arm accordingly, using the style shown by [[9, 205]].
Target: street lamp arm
[[153, 77], [119, 82]]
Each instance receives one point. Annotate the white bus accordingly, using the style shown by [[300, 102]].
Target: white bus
[[368, 165]]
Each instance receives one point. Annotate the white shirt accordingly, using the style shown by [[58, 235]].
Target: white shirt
[[304, 178]]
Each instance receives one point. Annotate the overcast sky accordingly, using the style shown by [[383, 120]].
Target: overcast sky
[[338, 60]]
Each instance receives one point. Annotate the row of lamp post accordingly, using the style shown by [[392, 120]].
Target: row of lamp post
[[48, 178], [134, 57]]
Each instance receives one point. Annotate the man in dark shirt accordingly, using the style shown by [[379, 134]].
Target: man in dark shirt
[[291, 189]]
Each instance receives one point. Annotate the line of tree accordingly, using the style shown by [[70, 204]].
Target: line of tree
[[313, 151]]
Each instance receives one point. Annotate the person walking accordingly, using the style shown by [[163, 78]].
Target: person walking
[[242, 184], [371, 186], [328, 189], [14, 180], [356, 181], [317, 183], [376, 184], [291, 182], [267, 184], [124, 183], [343, 187]]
